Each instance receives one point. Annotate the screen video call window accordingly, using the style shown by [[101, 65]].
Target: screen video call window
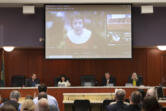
[[88, 31]]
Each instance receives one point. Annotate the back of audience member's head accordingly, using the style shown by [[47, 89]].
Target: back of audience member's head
[[150, 103], [120, 94], [14, 95], [29, 97], [152, 92], [43, 105], [42, 88], [143, 93], [135, 98], [28, 105], [7, 108], [42, 95]]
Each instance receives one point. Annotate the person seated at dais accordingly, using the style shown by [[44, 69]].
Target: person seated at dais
[[33, 81], [134, 79], [63, 82], [108, 79]]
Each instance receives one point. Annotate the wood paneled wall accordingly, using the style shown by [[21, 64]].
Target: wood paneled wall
[[149, 62]]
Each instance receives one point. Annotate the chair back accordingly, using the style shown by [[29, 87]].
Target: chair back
[[88, 80], [106, 103], [81, 105], [18, 81]]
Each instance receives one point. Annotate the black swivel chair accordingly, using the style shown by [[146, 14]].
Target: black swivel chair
[[81, 105], [106, 103], [56, 80], [160, 93], [141, 79], [1, 83], [18, 81], [88, 80]]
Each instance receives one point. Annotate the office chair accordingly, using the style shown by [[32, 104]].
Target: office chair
[[1, 83], [56, 80], [106, 103], [81, 105], [88, 80], [141, 79], [18, 81], [160, 93]]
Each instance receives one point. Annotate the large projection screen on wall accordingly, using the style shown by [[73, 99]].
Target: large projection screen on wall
[[88, 31]]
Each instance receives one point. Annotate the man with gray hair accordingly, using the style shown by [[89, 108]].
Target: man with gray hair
[[119, 105], [13, 99], [152, 92]]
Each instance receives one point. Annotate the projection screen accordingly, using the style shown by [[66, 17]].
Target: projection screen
[[88, 31]]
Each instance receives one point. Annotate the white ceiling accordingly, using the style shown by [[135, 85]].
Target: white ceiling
[[40, 3]]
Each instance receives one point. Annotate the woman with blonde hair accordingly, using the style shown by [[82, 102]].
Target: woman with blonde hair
[[28, 105], [134, 79]]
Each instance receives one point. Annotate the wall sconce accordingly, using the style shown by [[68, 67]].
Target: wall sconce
[[162, 47], [8, 48]]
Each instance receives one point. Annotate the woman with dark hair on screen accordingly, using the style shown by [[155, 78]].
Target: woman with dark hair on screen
[[63, 82]]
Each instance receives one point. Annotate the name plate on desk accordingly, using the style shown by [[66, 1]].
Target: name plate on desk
[[69, 98]]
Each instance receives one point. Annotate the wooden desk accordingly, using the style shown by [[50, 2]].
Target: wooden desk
[[57, 92]]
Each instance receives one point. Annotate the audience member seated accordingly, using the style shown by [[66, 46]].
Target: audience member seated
[[108, 80], [134, 79], [8, 108], [51, 99], [42, 95], [150, 103], [13, 99], [28, 105], [63, 82], [152, 92], [33, 81], [119, 105], [43, 105], [135, 101], [29, 97]]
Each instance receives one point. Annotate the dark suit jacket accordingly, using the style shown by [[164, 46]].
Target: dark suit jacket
[[134, 107], [118, 106], [138, 82], [111, 81], [13, 103], [29, 82]]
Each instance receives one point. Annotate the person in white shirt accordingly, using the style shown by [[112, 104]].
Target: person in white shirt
[[51, 100], [63, 82]]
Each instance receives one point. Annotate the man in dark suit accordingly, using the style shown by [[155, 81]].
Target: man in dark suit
[[33, 81], [119, 105], [135, 101], [108, 79]]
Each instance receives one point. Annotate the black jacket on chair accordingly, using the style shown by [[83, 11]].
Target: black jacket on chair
[[29, 82], [111, 81]]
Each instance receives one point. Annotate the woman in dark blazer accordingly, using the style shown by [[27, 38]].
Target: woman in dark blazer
[[134, 79]]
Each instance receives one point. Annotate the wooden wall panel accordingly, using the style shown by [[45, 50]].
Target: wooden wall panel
[[153, 67], [145, 61]]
